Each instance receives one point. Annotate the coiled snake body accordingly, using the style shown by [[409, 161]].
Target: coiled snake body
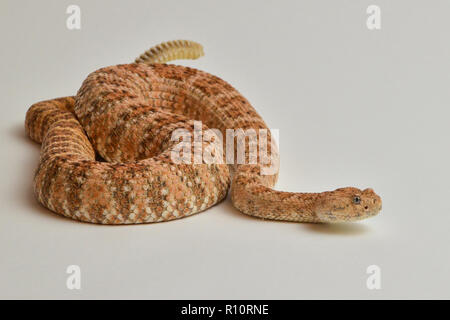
[[127, 114]]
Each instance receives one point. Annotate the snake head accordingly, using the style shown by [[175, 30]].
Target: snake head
[[347, 204]]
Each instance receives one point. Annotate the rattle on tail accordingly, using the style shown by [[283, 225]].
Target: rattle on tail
[[129, 114]]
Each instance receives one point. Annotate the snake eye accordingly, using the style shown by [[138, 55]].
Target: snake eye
[[356, 199]]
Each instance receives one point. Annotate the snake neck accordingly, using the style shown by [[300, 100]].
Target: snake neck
[[252, 194]]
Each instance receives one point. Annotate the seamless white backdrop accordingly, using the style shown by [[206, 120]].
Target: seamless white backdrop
[[353, 106]]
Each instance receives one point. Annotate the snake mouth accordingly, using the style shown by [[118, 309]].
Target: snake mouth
[[342, 216]]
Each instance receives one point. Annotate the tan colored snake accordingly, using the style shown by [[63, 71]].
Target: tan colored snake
[[106, 153]]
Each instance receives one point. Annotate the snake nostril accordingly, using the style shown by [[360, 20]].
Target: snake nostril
[[366, 207]]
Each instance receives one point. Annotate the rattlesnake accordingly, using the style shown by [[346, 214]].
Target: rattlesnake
[[106, 153]]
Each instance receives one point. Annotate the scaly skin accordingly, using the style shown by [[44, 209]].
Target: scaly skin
[[127, 114]]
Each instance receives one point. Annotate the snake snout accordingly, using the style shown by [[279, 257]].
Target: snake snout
[[373, 204]]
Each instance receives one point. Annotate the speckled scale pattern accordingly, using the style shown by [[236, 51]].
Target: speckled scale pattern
[[125, 116]]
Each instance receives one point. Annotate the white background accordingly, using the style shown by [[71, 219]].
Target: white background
[[354, 108]]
